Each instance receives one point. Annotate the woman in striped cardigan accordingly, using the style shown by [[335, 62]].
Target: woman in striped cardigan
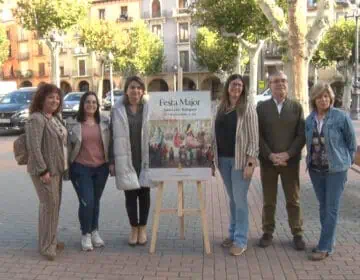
[[236, 149]]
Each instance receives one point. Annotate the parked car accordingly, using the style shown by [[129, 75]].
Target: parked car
[[14, 108], [71, 104], [265, 95], [107, 100]]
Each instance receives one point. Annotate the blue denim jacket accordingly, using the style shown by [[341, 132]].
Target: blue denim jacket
[[340, 139]]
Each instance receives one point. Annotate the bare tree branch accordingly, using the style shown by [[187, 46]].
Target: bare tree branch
[[276, 16], [322, 21]]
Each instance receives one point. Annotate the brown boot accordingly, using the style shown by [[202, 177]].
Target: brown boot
[[299, 243], [60, 246], [133, 237], [142, 235], [265, 240]]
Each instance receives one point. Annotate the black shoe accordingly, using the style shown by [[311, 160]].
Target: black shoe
[[265, 240], [314, 250], [299, 243]]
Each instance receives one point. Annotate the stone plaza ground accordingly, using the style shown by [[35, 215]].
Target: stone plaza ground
[[174, 258]]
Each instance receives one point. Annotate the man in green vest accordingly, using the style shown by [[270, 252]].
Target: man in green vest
[[282, 137]]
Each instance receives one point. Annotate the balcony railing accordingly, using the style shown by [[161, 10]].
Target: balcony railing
[[123, 18], [163, 14], [271, 50], [178, 12], [24, 74], [23, 38], [87, 72], [23, 56], [312, 5], [183, 39], [80, 51]]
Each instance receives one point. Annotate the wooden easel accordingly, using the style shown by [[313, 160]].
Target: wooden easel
[[181, 211]]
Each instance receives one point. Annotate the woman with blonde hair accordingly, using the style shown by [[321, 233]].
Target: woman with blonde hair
[[331, 146]]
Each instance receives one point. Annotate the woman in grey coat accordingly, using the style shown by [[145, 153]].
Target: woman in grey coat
[[129, 155]]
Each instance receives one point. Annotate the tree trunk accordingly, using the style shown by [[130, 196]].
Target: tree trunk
[[101, 83], [298, 51], [238, 69], [254, 63], [288, 71], [55, 70], [316, 75], [348, 74]]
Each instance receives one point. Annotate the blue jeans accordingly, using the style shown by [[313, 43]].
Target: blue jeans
[[328, 188], [89, 183], [237, 188]]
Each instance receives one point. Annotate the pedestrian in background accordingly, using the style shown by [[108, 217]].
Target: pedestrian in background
[[236, 149], [331, 147], [89, 136], [282, 137], [129, 118], [46, 139]]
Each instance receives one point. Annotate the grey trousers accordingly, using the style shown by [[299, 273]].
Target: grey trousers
[[49, 207]]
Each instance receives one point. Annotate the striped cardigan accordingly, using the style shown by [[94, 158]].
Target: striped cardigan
[[247, 139]]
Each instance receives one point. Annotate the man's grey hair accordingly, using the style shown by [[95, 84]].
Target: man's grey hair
[[277, 74]]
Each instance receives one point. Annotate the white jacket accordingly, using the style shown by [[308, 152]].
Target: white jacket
[[125, 174]]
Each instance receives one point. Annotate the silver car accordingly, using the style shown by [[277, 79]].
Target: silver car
[[71, 104]]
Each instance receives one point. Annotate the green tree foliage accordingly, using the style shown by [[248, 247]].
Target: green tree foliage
[[233, 16], [213, 52], [4, 45], [103, 36], [45, 16], [337, 44], [143, 54]]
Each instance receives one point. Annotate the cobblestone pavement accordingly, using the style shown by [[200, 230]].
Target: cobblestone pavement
[[174, 258]]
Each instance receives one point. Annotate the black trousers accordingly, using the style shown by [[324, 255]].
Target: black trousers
[[131, 200]]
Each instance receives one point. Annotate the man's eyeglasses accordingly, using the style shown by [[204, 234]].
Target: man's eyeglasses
[[278, 81]]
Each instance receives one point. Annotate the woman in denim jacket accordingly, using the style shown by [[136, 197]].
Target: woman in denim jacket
[[331, 146]]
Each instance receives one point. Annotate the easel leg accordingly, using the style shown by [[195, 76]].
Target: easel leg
[[203, 219], [155, 227], [181, 209]]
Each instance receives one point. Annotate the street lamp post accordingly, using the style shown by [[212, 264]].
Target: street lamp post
[[55, 41], [175, 68], [111, 60], [355, 97]]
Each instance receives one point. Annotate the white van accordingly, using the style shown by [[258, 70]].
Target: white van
[[6, 87]]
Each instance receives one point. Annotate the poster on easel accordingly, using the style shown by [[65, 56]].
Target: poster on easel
[[180, 136]]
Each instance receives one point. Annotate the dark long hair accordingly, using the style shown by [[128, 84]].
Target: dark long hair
[[80, 115], [41, 93], [242, 101], [127, 83]]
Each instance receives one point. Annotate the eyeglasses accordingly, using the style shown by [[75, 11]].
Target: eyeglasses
[[236, 85], [278, 81]]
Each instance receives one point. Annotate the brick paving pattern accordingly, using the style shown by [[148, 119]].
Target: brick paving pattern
[[174, 258]]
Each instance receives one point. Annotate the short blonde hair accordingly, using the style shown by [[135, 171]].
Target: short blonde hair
[[318, 90]]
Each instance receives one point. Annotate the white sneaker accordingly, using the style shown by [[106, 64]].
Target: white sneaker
[[86, 244], [96, 239]]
